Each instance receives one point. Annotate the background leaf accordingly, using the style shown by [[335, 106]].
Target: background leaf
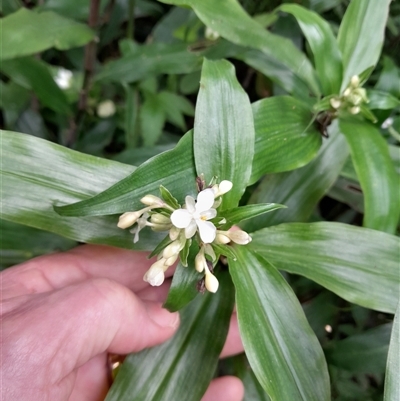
[[358, 264], [285, 138], [229, 19], [34, 74], [281, 347], [48, 173], [301, 189], [223, 130], [361, 35], [379, 181], [327, 57], [392, 387], [149, 60], [161, 373], [28, 32], [174, 169]]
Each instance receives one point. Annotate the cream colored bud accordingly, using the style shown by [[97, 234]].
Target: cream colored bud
[[155, 275], [128, 219], [221, 239], [222, 188], [355, 81], [160, 227], [170, 261], [335, 103], [347, 92], [106, 109], [354, 110], [159, 218], [239, 237], [174, 233], [151, 200], [200, 261], [211, 282], [173, 249], [210, 34]]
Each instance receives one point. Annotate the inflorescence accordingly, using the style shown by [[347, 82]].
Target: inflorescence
[[196, 219]]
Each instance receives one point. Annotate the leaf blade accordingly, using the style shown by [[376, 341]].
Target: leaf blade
[[285, 355], [358, 264]]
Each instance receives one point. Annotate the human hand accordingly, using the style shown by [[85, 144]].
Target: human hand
[[63, 313]]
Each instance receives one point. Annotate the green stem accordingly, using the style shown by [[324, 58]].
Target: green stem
[[130, 31]]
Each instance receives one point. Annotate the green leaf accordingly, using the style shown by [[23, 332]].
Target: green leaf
[[237, 214], [327, 57], [184, 283], [381, 100], [392, 388], [175, 107], [361, 36], [174, 169], [376, 173], [48, 173], [285, 138], [20, 243], [223, 129], [228, 18], [169, 198], [358, 264], [365, 352], [152, 119], [389, 80], [28, 32], [282, 349], [301, 190], [181, 368], [252, 388], [34, 74], [150, 60]]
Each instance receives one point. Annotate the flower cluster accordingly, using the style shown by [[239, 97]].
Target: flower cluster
[[352, 98], [196, 219]]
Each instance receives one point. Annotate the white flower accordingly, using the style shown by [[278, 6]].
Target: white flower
[[195, 216]]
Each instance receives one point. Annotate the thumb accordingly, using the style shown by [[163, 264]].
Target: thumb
[[68, 327]]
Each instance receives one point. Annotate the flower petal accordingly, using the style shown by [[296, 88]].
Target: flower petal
[[207, 231], [205, 200], [190, 204], [208, 214], [190, 230], [181, 218]]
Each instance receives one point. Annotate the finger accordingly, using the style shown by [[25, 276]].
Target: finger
[[227, 388], [91, 382], [78, 322], [233, 344], [55, 271], [155, 294]]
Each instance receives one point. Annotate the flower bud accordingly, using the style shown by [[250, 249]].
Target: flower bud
[[106, 109], [173, 249], [239, 237], [174, 233], [335, 103], [354, 110], [159, 218], [200, 261], [170, 261], [221, 239], [222, 188], [211, 282], [128, 219], [155, 275], [153, 201], [347, 92], [355, 81]]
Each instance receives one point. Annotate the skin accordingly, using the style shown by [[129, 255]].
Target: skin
[[62, 314]]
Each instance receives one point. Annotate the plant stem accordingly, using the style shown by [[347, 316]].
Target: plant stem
[[130, 31]]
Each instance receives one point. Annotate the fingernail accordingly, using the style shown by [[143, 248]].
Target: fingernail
[[162, 317]]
